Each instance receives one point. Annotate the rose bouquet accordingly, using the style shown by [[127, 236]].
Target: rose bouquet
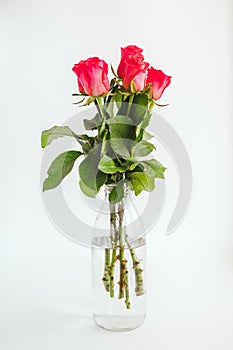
[[115, 148]]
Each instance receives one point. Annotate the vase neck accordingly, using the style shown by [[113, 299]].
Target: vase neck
[[125, 197]]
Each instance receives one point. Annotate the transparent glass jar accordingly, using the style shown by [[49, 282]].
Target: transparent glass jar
[[118, 265]]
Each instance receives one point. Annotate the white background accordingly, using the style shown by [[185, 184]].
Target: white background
[[45, 285]]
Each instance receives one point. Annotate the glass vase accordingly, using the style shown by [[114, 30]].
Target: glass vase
[[118, 265]]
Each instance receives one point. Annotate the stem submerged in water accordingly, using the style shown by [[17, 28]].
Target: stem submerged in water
[[127, 301], [139, 285], [121, 257], [122, 273], [139, 289], [106, 277], [118, 241], [114, 250], [111, 273]]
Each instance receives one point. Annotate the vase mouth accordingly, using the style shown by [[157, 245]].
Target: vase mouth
[[109, 187], [123, 202]]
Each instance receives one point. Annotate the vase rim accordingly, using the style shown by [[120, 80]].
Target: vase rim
[[111, 186]]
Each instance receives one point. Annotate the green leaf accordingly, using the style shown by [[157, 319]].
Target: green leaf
[[86, 190], [100, 179], [86, 148], [143, 148], [108, 166], [117, 192], [138, 169], [47, 136], [133, 87], [87, 142], [91, 124], [147, 136], [85, 137], [121, 147], [122, 132], [125, 97], [118, 99], [139, 134], [59, 168], [139, 181], [141, 128], [139, 108], [89, 101], [132, 165], [110, 106], [90, 175], [105, 143], [146, 120], [154, 168]]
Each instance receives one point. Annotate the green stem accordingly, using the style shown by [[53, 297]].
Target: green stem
[[127, 301], [104, 146], [121, 258], [106, 277], [98, 109], [131, 98], [139, 285], [139, 289], [123, 283], [111, 272], [151, 106], [122, 273], [100, 102], [114, 250]]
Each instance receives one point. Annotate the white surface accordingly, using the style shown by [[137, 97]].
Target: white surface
[[44, 278]]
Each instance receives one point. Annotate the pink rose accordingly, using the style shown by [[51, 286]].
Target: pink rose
[[92, 76], [132, 67], [159, 80]]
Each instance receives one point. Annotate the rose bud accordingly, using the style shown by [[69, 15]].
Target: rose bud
[[92, 76], [159, 80], [132, 67]]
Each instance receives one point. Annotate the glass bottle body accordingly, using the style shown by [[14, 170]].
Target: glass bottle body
[[119, 265]]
